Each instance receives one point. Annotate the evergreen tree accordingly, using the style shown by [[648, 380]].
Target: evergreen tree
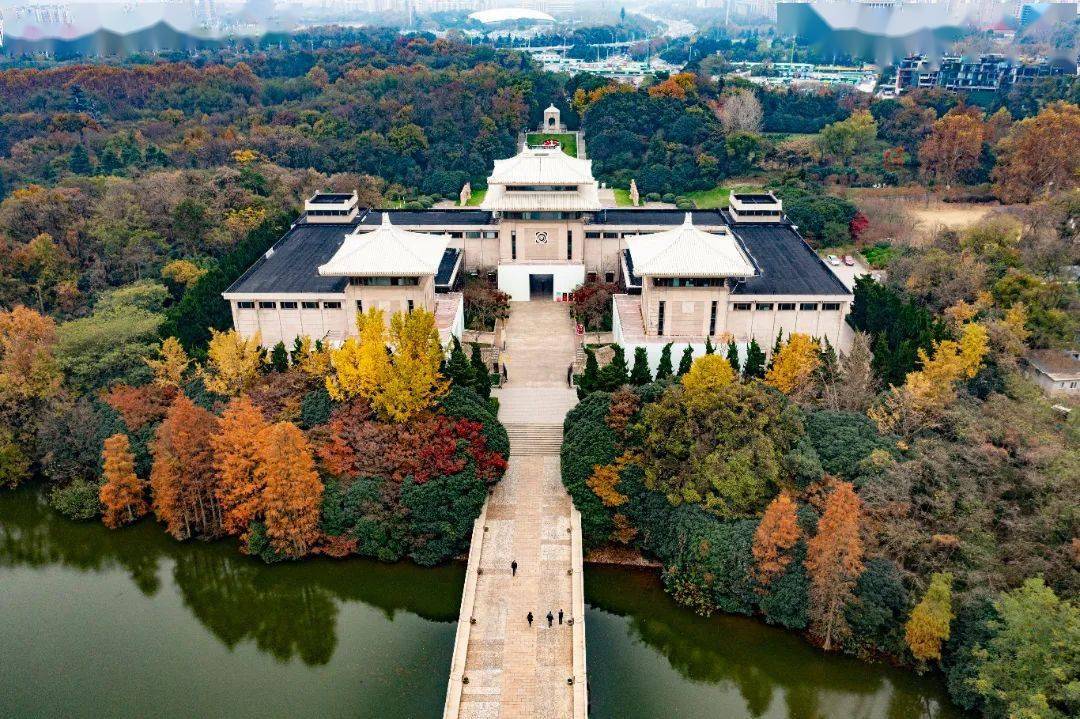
[[614, 374], [733, 356], [664, 370], [459, 369], [829, 365], [279, 358], [686, 360], [481, 375], [709, 348], [110, 162], [779, 345], [589, 379], [640, 374], [755, 361], [80, 161]]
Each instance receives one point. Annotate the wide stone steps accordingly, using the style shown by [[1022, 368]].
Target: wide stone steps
[[532, 439]]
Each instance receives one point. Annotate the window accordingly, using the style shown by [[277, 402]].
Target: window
[[288, 305], [410, 305], [488, 235], [609, 277], [786, 307], [331, 305], [384, 281], [472, 235], [590, 277], [359, 307], [764, 306], [267, 305], [611, 235], [569, 244], [712, 317], [309, 305], [245, 305], [592, 235], [688, 281], [660, 318], [808, 306], [830, 306], [513, 244], [742, 307]]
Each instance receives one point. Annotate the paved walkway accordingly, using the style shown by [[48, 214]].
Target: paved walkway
[[502, 668]]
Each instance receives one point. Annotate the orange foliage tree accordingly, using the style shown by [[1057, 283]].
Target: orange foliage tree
[[834, 562], [183, 478], [793, 366], [774, 538], [293, 492], [122, 493], [237, 446]]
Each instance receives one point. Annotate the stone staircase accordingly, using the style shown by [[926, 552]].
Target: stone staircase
[[532, 439]]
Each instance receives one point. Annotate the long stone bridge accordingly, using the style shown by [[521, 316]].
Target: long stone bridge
[[502, 668]]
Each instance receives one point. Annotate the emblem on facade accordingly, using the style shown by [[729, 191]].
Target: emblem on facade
[[541, 238]]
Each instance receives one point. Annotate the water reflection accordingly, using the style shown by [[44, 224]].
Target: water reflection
[[641, 645], [287, 611]]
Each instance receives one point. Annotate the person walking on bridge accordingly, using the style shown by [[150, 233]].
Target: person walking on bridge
[[550, 617], [560, 616], [529, 617]]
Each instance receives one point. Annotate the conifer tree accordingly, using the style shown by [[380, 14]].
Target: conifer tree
[[293, 492], [183, 477], [589, 379], [614, 374], [709, 348], [834, 562], [640, 374], [122, 493], [777, 346], [481, 374], [279, 358], [928, 626], [664, 369], [755, 361], [80, 161], [458, 368], [828, 363], [686, 361], [236, 457], [733, 356], [775, 537]]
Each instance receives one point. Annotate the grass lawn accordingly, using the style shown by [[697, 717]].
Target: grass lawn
[[568, 140], [622, 197], [710, 199], [477, 198]]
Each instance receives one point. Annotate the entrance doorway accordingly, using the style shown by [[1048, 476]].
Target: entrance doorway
[[541, 287]]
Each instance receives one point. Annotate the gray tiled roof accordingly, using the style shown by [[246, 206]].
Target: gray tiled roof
[[786, 264], [293, 267], [435, 218]]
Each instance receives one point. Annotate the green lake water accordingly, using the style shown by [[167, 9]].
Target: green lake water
[[130, 623]]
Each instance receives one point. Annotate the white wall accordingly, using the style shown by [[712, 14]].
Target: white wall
[[514, 279]]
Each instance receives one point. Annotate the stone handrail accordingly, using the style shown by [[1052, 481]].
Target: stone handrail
[[452, 707], [581, 683]]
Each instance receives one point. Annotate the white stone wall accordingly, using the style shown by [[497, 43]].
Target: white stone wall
[[514, 279]]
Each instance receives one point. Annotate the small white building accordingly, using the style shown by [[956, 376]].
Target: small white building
[[1056, 371]]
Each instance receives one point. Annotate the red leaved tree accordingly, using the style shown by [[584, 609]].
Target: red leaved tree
[[236, 455], [775, 537], [293, 492], [183, 477], [834, 562], [123, 494]]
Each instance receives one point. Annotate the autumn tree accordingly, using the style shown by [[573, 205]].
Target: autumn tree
[[793, 367], [414, 383], [953, 147], [1039, 155], [844, 139], [361, 366], [928, 626], [171, 363], [708, 375], [183, 477], [236, 447], [122, 493], [834, 562], [293, 492], [232, 362], [28, 368], [775, 537], [738, 111]]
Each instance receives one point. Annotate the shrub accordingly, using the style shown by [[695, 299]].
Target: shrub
[[77, 500]]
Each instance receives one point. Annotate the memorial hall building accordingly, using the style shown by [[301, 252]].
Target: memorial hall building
[[540, 232]]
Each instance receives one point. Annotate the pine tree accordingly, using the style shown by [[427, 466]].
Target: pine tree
[[828, 364], [733, 356], [458, 368], [777, 346], [755, 361], [709, 348], [122, 493], [664, 369], [686, 361], [834, 562], [928, 625], [589, 379], [80, 161], [614, 374], [292, 497], [236, 457], [279, 358], [183, 478], [775, 537], [640, 374], [481, 374]]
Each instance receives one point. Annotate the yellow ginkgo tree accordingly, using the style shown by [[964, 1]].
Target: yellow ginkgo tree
[[232, 362]]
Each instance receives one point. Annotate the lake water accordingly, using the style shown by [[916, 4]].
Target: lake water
[[98, 623]]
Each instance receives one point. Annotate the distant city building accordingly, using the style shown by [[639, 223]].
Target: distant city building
[[788, 74], [988, 73]]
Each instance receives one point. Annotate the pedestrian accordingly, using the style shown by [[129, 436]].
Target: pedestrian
[[513, 568], [529, 617], [550, 617], [505, 377], [560, 616], [570, 376]]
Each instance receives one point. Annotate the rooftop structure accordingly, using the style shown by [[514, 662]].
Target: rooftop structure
[[542, 179], [331, 207], [687, 250], [386, 252], [1056, 371], [755, 207]]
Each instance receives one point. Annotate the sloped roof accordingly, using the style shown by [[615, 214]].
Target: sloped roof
[[687, 251], [387, 251], [541, 166]]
